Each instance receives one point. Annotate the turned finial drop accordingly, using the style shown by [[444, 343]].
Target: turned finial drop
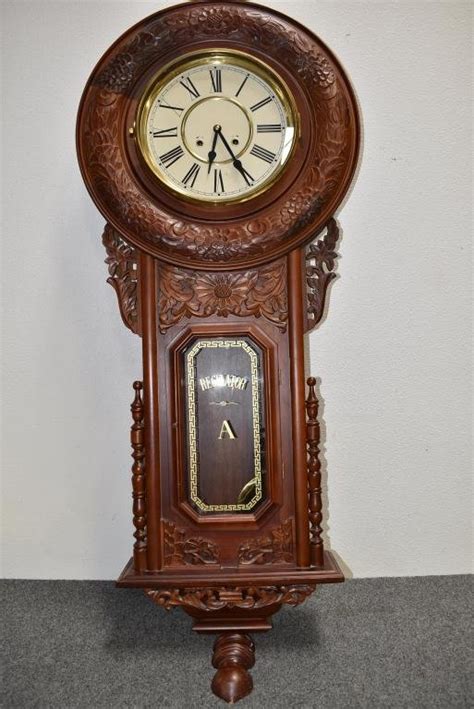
[[234, 655]]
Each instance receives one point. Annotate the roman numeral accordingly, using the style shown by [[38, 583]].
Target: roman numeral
[[242, 84], [247, 176], [263, 153], [191, 175], [218, 182], [269, 128], [261, 103], [216, 78], [173, 108], [172, 156], [166, 133], [189, 86]]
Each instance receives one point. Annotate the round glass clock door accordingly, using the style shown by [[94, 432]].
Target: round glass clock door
[[219, 127], [225, 430]]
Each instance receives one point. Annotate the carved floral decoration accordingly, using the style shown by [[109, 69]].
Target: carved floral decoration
[[181, 549], [320, 271], [214, 599], [276, 548], [260, 292]]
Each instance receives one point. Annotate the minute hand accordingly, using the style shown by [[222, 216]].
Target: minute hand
[[236, 162]]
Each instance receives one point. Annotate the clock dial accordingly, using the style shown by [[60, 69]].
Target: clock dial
[[217, 128]]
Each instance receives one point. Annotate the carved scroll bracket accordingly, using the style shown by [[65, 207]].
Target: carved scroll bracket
[[123, 276], [320, 271]]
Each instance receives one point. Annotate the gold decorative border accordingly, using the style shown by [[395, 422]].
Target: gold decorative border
[[192, 435]]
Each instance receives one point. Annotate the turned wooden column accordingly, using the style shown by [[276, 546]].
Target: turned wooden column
[[296, 342], [315, 503], [138, 479]]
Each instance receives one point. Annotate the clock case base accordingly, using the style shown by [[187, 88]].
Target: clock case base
[[232, 605], [231, 601]]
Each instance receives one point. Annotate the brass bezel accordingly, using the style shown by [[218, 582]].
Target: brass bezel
[[216, 56]]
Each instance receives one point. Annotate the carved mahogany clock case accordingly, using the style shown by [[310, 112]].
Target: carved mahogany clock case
[[218, 140]]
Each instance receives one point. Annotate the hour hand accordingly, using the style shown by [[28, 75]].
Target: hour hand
[[212, 153]]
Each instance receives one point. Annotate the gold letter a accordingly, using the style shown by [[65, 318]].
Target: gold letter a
[[226, 428]]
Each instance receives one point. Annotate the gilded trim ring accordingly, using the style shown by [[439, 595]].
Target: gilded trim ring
[[192, 435]]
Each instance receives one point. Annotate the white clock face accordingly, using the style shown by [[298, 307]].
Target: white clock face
[[220, 128]]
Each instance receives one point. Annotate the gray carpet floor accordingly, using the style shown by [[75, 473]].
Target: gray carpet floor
[[402, 642]]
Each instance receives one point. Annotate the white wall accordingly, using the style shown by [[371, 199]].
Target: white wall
[[393, 355]]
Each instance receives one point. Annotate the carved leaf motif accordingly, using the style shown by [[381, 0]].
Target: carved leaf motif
[[321, 262], [211, 599], [276, 548], [259, 292], [180, 549], [122, 263]]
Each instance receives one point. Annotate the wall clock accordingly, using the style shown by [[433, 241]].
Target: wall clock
[[218, 140]]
